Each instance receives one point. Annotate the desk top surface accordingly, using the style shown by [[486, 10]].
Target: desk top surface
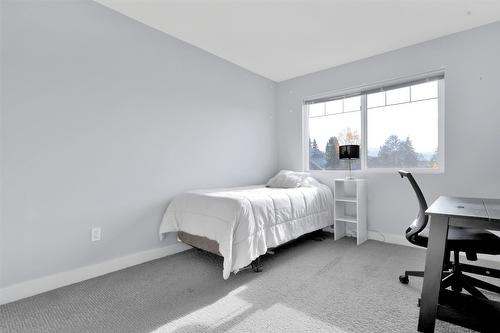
[[486, 209]]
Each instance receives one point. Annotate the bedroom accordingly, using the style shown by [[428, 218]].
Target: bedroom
[[111, 109]]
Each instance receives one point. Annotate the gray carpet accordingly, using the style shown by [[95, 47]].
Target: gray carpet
[[307, 286]]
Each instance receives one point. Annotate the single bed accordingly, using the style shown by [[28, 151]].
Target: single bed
[[241, 224]]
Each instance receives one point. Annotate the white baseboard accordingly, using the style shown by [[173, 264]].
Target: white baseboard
[[390, 238], [401, 240], [33, 287]]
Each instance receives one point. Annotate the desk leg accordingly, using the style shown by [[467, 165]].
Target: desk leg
[[434, 258]]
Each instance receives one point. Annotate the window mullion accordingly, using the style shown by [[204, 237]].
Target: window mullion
[[364, 140]]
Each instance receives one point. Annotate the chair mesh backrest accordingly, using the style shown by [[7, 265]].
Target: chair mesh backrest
[[421, 221]]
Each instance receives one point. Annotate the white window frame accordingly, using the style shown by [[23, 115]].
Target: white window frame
[[363, 128]]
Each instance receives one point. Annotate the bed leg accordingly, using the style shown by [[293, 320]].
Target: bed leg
[[256, 266]]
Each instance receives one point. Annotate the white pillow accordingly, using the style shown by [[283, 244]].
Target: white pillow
[[287, 179], [310, 182]]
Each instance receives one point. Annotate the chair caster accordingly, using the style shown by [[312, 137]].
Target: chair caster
[[404, 279]]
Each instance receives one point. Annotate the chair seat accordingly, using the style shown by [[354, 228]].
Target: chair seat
[[466, 240]]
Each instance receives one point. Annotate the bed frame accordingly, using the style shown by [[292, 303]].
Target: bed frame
[[199, 242], [212, 246]]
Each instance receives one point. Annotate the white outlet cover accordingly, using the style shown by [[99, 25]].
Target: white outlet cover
[[96, 234]]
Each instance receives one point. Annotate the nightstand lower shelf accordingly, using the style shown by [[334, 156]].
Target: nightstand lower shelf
[[347, 219]]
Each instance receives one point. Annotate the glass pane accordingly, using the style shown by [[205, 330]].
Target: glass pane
[[352, 103], [317, 109], [326, 134], [403, 135], [334, 106], [376, 99], [424, 91], [400, 95]]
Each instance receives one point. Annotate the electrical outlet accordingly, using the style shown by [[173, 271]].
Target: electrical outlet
[[95, 234]]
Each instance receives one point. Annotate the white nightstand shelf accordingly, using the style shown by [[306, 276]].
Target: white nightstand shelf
[[347, 199], [350, 207]]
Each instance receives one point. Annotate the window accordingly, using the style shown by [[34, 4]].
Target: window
[[397, 126], [331, 124]]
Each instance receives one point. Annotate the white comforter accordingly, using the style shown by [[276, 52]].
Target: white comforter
[[247, 221]]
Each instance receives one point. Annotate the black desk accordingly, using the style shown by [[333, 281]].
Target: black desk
[[460, 309]]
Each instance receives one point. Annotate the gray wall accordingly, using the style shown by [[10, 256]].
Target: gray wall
[[472, 118], [104, 120]]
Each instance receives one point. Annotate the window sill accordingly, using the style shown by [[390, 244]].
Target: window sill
[[379, 171]]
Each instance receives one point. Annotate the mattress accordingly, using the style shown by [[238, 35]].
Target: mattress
[[246, 221]]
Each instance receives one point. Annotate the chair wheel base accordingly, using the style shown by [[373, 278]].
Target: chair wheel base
[[456, 287], [404, 279]]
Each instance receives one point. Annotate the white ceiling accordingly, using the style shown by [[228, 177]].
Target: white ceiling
[[282, 39]]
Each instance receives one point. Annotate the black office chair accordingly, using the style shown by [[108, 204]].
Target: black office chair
[[470, 241]]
